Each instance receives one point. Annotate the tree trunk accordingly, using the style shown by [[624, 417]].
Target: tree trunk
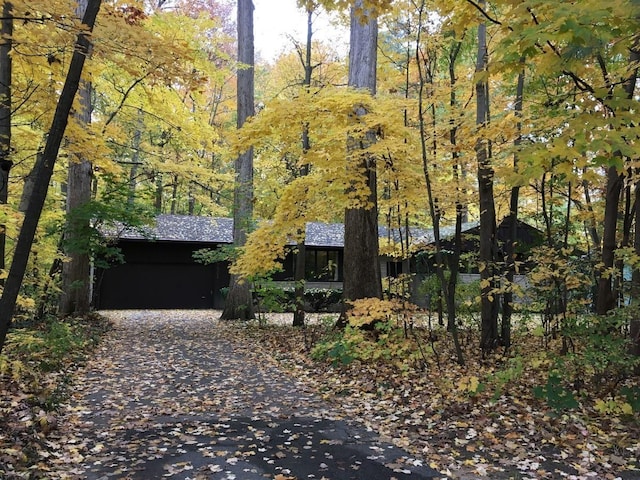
[[6, 42], [605, 300], [45, 171], [135, 160], [301, 256], [425, 75], [239, 303], [158, 192], [488, 297], [510, 247], [634, 327], [76, 271], [362, 276]]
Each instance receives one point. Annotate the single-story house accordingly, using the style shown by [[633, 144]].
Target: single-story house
[[423, 261], [159, 270], [527, 237]]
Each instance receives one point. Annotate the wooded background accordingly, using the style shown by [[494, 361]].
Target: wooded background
[[442, 113]]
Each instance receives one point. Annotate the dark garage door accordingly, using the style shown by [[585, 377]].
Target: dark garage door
[[156, 286]]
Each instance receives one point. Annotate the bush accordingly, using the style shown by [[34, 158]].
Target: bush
[[47, 347], [374, 333], [467, 293], [271, 297]]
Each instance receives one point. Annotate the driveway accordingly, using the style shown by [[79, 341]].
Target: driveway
[[174, 395]]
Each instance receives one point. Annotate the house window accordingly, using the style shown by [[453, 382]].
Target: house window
[[322, 265], [394, 269]]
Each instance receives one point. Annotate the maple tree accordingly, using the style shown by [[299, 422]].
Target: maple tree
[[362, 278], [44, 172], [560, 151]]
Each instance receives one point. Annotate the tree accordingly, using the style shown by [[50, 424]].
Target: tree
[[426, 65], [239, 303], [301, 254], [487, 254], [510, 247], [76, 271], [5, 114], [362, 277], [44, 171]]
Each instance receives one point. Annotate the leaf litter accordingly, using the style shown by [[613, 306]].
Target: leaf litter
[[178, 394], [437, 413], [182, 395]]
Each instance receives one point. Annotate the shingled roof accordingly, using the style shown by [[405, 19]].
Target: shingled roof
[[185, 228], [195, 229]]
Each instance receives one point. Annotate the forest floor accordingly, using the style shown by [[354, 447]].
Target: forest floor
[[480, 420], [183, 395]]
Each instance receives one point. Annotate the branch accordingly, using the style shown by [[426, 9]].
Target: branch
[[124, 99], [484, 13]]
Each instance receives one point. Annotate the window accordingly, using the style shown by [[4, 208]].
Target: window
[[322, 265], [394, 269]]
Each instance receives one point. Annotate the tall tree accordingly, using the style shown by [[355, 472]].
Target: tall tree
[[44, 171], [6, 32], [425, 63], [76, 271], [362, 276], [239, 304], [489, 304], [301, 255], [510, 244]]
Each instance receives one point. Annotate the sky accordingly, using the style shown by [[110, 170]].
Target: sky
[[275, 19]]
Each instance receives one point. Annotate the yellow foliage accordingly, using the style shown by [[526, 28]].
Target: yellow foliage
[[613, 406], [469, 384], [367, 311]]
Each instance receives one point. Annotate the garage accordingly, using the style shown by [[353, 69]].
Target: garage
[[159, 271]]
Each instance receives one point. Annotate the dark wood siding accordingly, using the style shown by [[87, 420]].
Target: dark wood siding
[[159, 275]]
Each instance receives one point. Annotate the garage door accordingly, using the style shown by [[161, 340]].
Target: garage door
[[156, 286]]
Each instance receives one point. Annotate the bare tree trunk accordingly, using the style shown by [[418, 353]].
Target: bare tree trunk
[[488, 298], [605, 300], [44, 172], [158, 192], [301, 255], [634, 327], [507, 306], [461, 212], [362, 276], [135, 160], [239, 303], [6, 42], [76, 271]]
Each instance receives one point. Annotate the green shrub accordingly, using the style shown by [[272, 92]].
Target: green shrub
[[52, 345]]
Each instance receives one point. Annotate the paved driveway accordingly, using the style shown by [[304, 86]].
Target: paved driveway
[[175, 395]]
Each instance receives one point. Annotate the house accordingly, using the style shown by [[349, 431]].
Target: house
[[160, 271], [423, 261], [527, 237]]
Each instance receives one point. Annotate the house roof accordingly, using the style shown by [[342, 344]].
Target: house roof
[[527, 235], [185, 228], [195, 229], [427, 237]]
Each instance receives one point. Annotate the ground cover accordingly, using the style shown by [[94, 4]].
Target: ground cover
[[36, 374], [504, 416], [482, 419]]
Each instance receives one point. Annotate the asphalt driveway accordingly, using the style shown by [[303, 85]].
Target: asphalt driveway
[[175, 395]]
